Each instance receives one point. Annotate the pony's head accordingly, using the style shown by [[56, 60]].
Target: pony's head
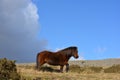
[[74, 52]]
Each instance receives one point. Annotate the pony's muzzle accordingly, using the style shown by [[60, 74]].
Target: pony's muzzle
[[76, 56]]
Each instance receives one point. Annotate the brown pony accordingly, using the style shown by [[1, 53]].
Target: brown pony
[[57, 58]]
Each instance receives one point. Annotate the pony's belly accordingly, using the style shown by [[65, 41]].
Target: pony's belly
[[51, 62]]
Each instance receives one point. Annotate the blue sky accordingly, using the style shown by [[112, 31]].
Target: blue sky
[[91, 25], [30, 26]]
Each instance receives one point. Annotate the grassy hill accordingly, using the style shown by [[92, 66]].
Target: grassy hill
[[79, 70], [102, 63]]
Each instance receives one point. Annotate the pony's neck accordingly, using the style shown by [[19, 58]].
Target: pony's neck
[[67, 53]]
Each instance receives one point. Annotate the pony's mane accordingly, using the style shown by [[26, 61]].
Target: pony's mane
[[69, 48]]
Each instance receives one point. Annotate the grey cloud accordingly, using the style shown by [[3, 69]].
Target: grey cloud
[[19, 28]]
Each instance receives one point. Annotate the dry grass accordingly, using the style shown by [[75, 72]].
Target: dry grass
[[28, 72], [101, 63]]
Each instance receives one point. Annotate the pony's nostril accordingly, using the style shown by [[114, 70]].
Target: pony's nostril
[[77, 56]]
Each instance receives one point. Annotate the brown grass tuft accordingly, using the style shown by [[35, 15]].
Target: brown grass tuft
[[112, 69]]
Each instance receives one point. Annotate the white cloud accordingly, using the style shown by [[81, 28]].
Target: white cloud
[[100, 49], [19, 28], [31, 12], [80, 58]]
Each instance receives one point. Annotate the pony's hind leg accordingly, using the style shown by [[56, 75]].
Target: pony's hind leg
[[40, 65]]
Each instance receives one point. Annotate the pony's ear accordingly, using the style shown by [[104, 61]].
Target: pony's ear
[[74, 47]]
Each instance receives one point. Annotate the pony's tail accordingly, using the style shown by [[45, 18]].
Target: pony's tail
[[37, 61]]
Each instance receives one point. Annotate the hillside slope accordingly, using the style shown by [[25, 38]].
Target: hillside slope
[[102, 63]]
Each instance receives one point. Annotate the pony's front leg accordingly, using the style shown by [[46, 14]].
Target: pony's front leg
[[61, 68], [67, 67]]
